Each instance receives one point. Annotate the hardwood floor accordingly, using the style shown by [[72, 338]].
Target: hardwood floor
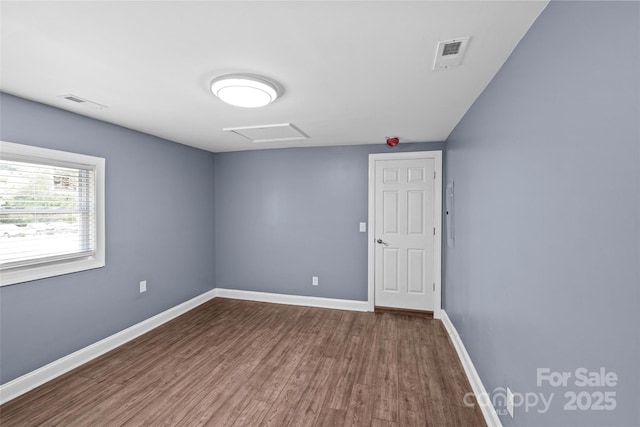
[[240, 363], [404, 312]]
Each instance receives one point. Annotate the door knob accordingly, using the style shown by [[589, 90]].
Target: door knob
[[381, 242]]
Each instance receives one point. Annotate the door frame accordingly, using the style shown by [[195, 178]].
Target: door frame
[[436, 155]]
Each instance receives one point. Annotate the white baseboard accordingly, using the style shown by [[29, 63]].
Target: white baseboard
[[488, 411], [338, 304], [33, 379], [54, 369]]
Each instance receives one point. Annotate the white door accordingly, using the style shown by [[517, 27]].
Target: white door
[[404, 233]]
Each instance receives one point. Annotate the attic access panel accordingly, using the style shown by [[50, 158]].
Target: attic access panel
[[269, 133]]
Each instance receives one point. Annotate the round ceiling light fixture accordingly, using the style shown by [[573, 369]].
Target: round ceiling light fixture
[[244, 90]]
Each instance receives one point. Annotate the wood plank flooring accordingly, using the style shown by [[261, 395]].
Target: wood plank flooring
[[241, 363]]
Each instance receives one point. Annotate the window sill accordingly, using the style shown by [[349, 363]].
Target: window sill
[[27, 274]]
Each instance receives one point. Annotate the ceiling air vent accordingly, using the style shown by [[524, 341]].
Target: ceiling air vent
[[269, 133], [81, 101], [74, 99], [451, 48], [449, 53]]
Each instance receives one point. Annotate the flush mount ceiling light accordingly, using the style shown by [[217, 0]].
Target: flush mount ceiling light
[[244, 90]]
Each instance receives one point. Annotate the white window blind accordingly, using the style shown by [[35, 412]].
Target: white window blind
[[51, 213]]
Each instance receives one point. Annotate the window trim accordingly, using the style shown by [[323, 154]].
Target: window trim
[[50, 269]]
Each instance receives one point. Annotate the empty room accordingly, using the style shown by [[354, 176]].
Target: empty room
[[320, 213]]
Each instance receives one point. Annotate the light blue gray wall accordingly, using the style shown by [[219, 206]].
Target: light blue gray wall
[[283, 216], [546, 166], [280, 216], [159, 221]]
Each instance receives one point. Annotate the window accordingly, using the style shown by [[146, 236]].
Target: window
[[51, 213]]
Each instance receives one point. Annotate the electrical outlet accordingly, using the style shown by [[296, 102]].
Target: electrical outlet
[[314, 280], [510, 402], [143, 286]]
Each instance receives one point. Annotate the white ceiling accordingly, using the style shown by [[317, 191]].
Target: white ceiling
[[354, 72]]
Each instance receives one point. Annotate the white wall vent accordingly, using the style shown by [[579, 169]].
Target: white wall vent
[[81, 101], [449, 53], [269, 133]]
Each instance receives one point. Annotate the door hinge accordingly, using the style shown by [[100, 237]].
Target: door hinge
[[434, 174], [434, 231], [434, 287]]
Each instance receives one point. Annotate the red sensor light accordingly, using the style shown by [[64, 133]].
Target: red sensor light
[[392, 142]]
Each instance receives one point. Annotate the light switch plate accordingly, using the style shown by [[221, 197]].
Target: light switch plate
[[143, 286], [363, 227]]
